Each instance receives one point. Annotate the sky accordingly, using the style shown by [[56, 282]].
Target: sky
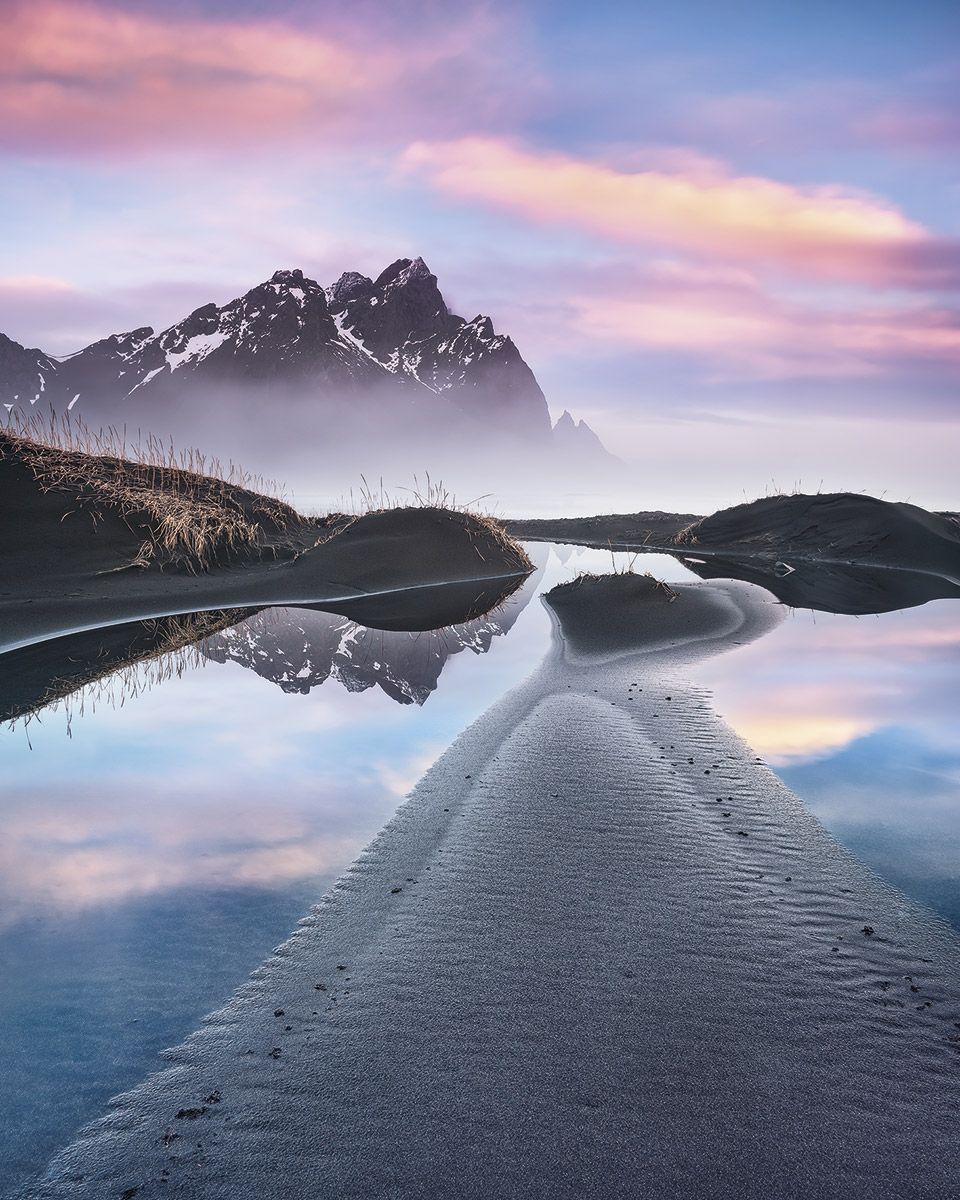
[[725, 234]]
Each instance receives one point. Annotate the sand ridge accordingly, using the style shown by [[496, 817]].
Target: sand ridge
[[602, 951]]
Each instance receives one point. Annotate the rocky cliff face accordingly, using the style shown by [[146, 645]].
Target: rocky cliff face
[[401, 320]]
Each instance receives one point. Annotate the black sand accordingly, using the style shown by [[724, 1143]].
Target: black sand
[[67, 559]]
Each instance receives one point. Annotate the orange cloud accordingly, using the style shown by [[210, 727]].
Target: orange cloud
[[695, 205], [780, 738]]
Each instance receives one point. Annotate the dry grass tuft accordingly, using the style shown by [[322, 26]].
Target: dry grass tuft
[[660, 589], [429, 493], [435, 496], [192, 514], [195, 515]]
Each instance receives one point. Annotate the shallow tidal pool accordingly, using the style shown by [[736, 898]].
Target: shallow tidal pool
[[166, 827]]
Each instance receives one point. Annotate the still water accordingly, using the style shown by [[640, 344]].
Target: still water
[[164, 828]]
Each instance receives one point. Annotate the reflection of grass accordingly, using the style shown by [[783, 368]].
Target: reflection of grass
[[174, 645]]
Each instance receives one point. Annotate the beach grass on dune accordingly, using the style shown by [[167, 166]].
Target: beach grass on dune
[[192, 514], [434, 495]]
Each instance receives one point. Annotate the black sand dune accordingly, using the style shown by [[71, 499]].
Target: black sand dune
[[602, 951], [841, 552], [842, 526], [627, 531], [90, 541]]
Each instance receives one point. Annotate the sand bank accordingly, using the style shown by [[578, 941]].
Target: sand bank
[[73, 557], [841, 528], [617, 531], [601, 951]]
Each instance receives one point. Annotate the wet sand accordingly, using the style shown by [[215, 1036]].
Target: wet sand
[[601, 951]]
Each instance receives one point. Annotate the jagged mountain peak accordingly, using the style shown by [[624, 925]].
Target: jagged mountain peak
[[203, 318], [350, 286], [26, 374], [10, 349], [481, 327], [577, 438], [405, 271], [293, 282], [122, 344], [289, 278], [403, 306]]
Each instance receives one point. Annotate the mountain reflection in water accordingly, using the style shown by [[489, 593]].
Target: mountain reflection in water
[[402, 646], [299, 649], [398, 642]]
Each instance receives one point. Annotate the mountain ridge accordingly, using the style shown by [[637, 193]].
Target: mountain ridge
[[360, 343]]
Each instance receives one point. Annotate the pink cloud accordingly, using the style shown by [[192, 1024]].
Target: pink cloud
[[724, 319], [698, 205], [916, 113], [730, 321], [912, 126], [76, 77]]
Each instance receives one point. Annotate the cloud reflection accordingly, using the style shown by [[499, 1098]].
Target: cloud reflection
[[813, 686], [203, 783], [217, 779]]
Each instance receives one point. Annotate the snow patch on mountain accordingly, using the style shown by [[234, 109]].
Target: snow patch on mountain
[[196, 349]]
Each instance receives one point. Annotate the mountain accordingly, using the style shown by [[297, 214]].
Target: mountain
[[279, 332], [322, 385], [25, 375], [576, 440], [392, 335], [402, 322]]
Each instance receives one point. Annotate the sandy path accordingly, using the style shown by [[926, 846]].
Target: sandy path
[[564, 971]]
